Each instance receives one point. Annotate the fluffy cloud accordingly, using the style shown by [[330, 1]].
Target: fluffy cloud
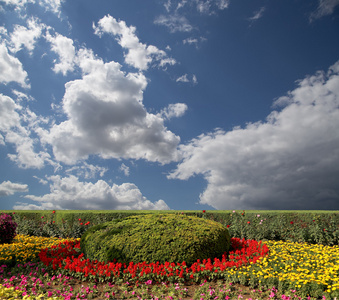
[[11, 69], [50, 5], [174, 110], [106, 117], [25, 36], [290, 160], [17, 125], [70, 193], [139, 55], [65, 49], [9, 188]]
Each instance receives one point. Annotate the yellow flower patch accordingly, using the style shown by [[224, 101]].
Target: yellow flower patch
[[298, 264], [26, 248]]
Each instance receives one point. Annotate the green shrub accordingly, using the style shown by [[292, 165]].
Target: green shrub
[[156, 237], [7, 229]]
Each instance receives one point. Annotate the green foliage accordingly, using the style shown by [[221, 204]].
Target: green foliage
[[156, 237]]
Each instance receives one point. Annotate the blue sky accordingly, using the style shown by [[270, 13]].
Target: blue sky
[[169, 104]]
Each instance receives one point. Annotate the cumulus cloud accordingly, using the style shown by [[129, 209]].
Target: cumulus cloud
[[174, 23], [173, 111], [17, 125], [70, 193], [25, 36], [139, 55], [8, 188], [63, 46], [290, 160], [106, 117], [11, 69], [50, 5], [325, 8]]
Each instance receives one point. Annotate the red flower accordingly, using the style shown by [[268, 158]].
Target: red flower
[[81, 223], [228, 226], [204, 211], [42, 217], [53, 212], [324, 229], [248, 222], [291, 222], [79, 219], [13, 212]]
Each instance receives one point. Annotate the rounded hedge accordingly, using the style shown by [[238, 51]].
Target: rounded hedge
[[156, 237]]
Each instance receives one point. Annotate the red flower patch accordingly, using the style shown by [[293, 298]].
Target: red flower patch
[[66, 256]]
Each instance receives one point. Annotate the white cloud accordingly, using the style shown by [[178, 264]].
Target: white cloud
[[11, 69], [325, 8], [174, 23], [190, 41], [87, 170], [106, 117], [258, 14], [184, 78], [173, 111], [50, 5], [25, 36], [70, 193], [9, 117], [205, 6], [8, 188], [139, 55], [65, 49], [222, 4], [290, 160], [167, 5], [123, 168], [17, 124]]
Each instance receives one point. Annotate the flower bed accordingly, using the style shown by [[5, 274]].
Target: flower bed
[[26, 248], [66, 256], [287, 271]]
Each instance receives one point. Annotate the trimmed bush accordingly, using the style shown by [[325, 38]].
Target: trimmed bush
[[156, 237], [7, 229]]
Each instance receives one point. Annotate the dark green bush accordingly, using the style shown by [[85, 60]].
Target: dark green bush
[[156, 237]]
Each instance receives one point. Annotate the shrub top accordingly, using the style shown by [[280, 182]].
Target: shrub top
[[156, 237]]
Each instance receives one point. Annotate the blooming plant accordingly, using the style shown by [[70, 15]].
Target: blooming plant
[[7, 229], [66, 256], [287, 271], [25, 248]]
